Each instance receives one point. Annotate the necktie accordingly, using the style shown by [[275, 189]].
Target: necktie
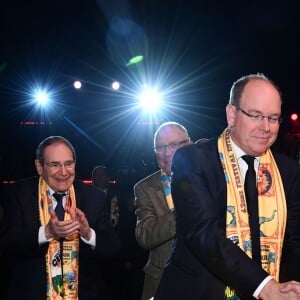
[[60, 212], [59, 209], [166, 182], [252, 204]]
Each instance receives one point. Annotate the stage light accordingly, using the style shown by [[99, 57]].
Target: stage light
[[41, 97], [150, 100], [77, 84], [115, 85], [294, 117]]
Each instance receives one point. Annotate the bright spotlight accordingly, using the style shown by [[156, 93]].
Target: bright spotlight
[[41, 97], [115, 85], [150, 100], [77, 84]]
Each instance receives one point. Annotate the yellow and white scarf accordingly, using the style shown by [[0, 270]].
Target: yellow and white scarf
[[62, 276], [271, 206]]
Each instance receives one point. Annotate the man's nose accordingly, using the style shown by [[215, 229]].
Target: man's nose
[[265, 123]]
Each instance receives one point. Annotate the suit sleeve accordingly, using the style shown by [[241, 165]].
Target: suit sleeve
[[20, 224], [290, 174], [155, 222]]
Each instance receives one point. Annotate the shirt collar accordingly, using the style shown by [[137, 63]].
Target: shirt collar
[[51, 191], [239, 152]]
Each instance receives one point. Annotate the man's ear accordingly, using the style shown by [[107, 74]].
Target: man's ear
[[230, 114], [38, 166]]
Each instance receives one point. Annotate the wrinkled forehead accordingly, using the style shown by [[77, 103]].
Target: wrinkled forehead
[[58, 151]]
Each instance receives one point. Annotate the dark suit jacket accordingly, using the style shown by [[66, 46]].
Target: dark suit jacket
[[19, 242], [203, 260]]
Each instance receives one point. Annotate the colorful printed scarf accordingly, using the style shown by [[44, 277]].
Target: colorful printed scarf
[[166, 182], [62, 275], [271, 206]]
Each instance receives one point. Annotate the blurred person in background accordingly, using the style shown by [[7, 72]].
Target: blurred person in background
[[155, 227]]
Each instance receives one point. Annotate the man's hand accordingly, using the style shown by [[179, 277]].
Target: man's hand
[[280, 291], [61, 229], [293, 286], [84, 227]]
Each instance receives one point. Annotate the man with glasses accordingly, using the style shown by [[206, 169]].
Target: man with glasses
[[155, 228], [55, 231], [237, 207]]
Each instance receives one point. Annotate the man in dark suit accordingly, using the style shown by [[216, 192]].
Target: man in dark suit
[[53, 256], [114, 268], [101, 180], [214, 255], [155, 228]]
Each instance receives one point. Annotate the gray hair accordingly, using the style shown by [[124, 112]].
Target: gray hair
[[170, 124], [55, 139]]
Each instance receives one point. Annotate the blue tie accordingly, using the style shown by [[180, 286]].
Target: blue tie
[[166, 182]]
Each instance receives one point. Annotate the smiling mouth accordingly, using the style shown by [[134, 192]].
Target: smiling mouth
[[262, 137], [62, 179]]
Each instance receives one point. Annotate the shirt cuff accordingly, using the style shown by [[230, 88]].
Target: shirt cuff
[[261, 286], [92, 240], [42, 236]]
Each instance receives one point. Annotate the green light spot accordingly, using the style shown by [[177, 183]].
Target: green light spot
[[135, 60]]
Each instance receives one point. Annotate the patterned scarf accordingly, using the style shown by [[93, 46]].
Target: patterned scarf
[[166, 182], [62, 275], [271, 206]]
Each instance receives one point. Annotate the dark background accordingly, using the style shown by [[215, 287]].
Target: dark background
[[193, 51]]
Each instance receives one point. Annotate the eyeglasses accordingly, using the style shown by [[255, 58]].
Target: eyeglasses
[[260, 117], [55, 165], [172, 146]]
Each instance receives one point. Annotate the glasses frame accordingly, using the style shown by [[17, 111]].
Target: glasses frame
[[173, 146], [56, 165], [260, 117]]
